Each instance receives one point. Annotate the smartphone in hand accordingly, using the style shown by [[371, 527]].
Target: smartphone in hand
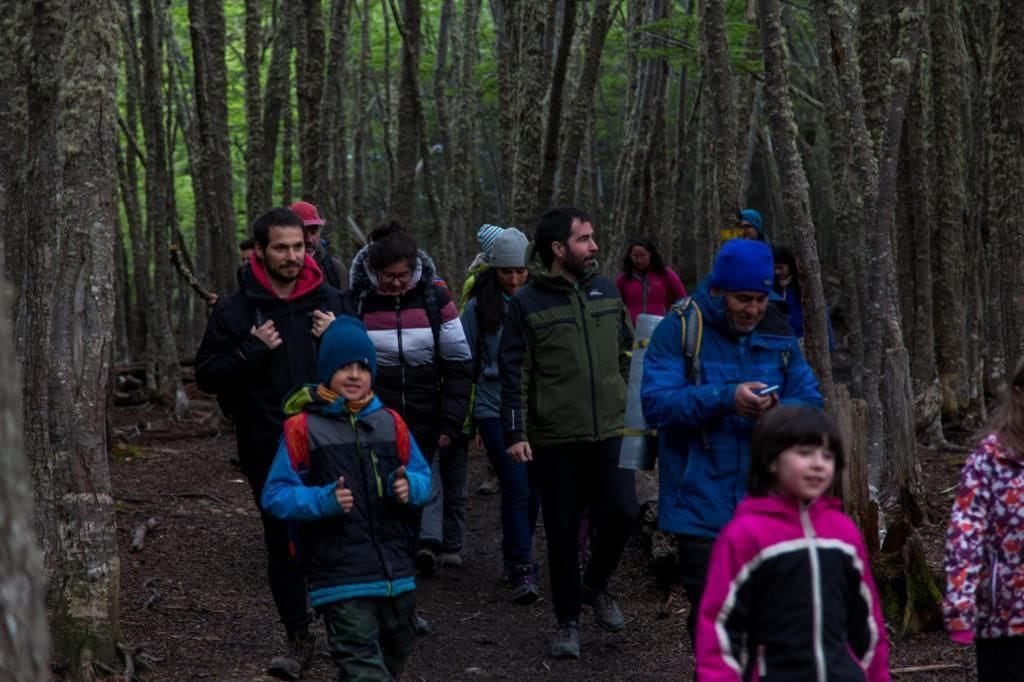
[[768, 390]]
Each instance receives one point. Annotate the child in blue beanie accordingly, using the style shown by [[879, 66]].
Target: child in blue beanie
[[350, 474]]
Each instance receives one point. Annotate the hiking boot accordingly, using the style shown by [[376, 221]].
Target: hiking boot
[[452, 559], [566, 642], [426, 561], [297, 660], [490, 487], [606, 612], [524, 584]]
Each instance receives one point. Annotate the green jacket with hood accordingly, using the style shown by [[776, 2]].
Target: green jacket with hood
[[564, 359]]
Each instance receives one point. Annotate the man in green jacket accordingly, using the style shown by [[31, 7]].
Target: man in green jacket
[[563, 363]]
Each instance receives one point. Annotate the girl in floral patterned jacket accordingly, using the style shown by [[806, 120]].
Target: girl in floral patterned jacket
[[985, 545]]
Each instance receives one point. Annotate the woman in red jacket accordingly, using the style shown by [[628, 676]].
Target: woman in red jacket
[[645, 284]]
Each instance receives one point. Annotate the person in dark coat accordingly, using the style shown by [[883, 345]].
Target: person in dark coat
[[261, 342], [424, 371]]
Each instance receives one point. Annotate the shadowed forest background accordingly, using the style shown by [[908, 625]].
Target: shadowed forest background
[[882, 139]]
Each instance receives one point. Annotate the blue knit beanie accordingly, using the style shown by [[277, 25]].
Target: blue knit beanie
[[752, 216], [743, 265], [344, 342], [486, 236]]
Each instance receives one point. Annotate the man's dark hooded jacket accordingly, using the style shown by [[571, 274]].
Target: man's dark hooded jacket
[[251, 380]]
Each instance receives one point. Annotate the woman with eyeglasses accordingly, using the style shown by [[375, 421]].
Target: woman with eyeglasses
[[423, 370]]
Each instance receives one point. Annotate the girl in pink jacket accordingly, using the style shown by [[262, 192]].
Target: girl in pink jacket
[[790, 595], [985, 545], [646, 284]]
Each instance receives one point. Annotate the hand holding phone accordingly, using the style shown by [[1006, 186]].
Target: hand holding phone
[[768, 390]]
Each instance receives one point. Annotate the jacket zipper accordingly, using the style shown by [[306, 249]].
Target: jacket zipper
[[590, 361], [816, 606], [369, 506], [401, 351]]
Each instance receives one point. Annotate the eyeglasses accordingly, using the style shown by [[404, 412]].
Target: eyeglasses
[[394, 276]]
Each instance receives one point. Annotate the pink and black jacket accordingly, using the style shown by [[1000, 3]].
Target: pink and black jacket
[[424, 373], [985, 547], [790, 598]]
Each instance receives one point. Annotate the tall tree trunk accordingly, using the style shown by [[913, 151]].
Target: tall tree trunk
[[529, 82], [255, 168], [167, 386], [332, 174], [556, 95], [578, 115], [360, 124], [874, 37], [25, 648], [718, 70], [1007, 199], [309, 90], [403, 191], [276, 104], [796, 195], [217, 266]]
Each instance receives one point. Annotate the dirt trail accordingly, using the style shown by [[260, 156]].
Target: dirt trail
[[196, 596]]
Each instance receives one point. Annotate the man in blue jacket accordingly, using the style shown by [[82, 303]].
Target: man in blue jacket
[[705, 397]]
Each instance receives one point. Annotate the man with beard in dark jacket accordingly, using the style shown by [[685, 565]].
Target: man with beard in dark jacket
[[563, 362], [260, 343]]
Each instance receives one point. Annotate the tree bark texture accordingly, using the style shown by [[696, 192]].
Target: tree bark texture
[[874, 37], [333, 177], [309, 43], [1007, 198], [216, 263], [254, 157], [407, 146], [166, 378], [529, 87], [70, 185], [578, 114], [25, 646], [556, 95], [796, 195], [722, 95], [948, 178]]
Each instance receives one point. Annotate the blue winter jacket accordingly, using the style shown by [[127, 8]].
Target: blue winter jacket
[[699, 487], [364, 552]]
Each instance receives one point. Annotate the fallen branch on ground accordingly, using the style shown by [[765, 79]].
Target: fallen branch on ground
[[925, 668], [141, 530]]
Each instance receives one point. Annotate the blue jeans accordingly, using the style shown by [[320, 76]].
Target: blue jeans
[[520, 496]]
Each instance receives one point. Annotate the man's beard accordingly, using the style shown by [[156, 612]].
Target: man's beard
[[577, 265], [277, 274]]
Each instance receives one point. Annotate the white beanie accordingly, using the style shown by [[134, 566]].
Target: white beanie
[[509, 250]]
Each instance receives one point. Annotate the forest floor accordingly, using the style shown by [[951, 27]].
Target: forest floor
[[195, 601]]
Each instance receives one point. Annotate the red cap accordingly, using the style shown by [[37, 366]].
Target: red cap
[[307, 213]]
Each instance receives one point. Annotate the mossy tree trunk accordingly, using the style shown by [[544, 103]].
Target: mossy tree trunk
[[796, 195], [947, 62], [70, 180]]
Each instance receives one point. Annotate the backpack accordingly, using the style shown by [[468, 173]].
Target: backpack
[[691, 336]]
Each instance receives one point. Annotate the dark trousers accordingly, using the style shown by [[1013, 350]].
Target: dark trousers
[[444, 515], [694, 557], [287, 583], [572, 477], [520, 496], [999, 660], [371, 638]]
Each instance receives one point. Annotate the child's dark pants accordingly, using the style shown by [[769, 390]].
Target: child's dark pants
[[371, 638]]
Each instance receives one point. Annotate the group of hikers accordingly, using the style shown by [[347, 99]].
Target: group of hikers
[[355, 402]]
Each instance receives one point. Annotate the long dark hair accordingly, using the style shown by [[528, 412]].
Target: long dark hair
[[1008, 420], [783, 427], [657, 264], [490, 302]]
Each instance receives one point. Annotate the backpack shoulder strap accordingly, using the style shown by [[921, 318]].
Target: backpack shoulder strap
[[401, 436], [433, 309], [691, 335], [296, 439]]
